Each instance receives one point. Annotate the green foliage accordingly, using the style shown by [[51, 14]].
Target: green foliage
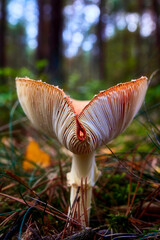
[[118, 188], [12, 73], [5, 98], [83, 90], [119, 223], [153, 95], [41, 64]]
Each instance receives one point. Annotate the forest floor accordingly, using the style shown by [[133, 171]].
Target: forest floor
[[34, 196]]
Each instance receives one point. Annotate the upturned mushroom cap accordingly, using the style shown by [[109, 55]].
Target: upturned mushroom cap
[[81, 126]]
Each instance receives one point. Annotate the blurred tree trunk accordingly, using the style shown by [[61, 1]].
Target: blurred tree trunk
[[43, 31], [101, 44], [125, 46], [156, 11], [50, 37], [55, 41], [138, 45], [2, 33]]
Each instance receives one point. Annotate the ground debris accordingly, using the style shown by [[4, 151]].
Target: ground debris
[[86, 234]]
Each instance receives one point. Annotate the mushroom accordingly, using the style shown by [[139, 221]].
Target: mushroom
[[81, 126]]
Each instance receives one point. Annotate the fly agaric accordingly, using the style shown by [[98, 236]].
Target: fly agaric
[[81, 126]]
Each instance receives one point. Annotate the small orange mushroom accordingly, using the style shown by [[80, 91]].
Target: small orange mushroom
[[81, 126]]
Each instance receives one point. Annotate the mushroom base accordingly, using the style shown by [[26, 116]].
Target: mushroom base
[[82, 178]]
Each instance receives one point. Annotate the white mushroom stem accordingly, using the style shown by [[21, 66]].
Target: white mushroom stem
[[83, 176]]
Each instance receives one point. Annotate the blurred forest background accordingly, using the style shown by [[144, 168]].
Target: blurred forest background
[[81, 45]]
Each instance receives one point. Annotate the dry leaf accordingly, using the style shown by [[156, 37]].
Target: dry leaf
[[35, 155]]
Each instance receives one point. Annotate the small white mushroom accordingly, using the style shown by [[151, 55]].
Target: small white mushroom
[[81, 126]]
